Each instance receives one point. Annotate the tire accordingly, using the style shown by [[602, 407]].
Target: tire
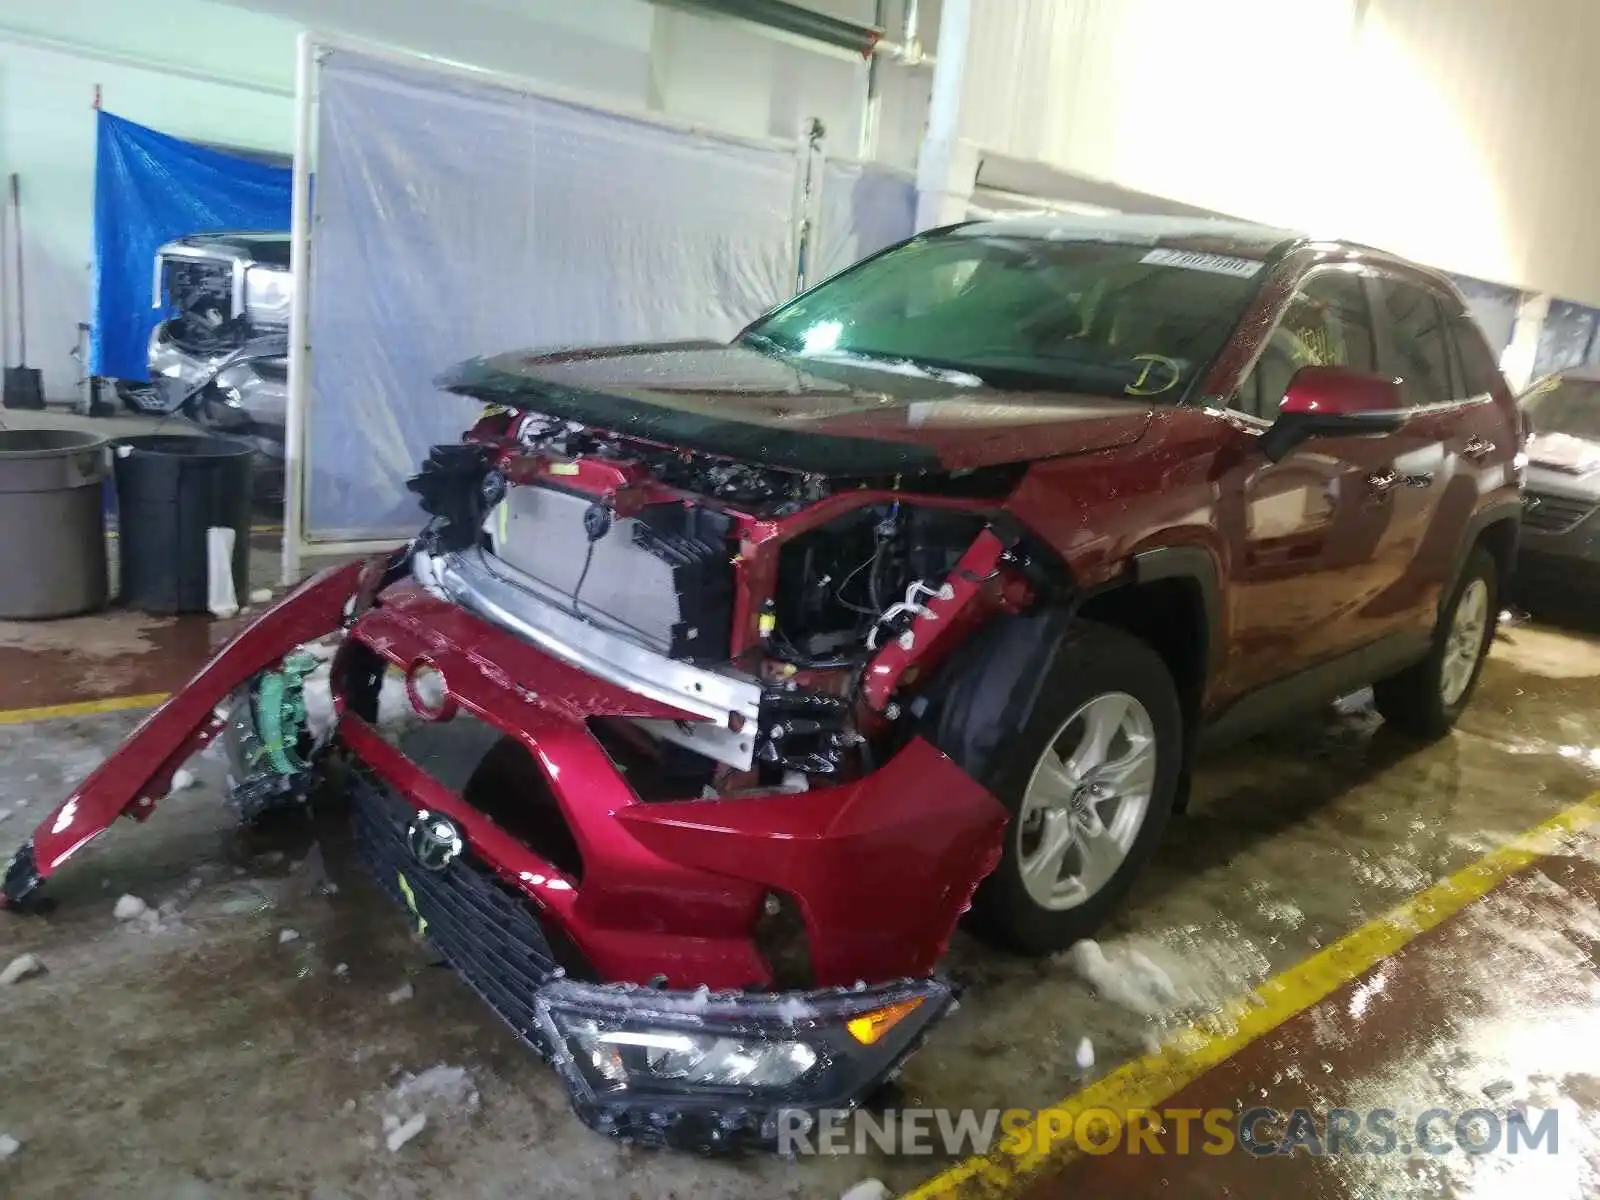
[[1417, 701], [1091, 666]]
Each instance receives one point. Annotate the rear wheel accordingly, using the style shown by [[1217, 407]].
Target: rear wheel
[[1090, 780], [1426, 699]]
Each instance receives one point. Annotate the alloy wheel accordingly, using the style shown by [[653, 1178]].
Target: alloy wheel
[[1086, 801], [1464, 643]]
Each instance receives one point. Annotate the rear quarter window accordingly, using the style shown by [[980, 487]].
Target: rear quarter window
[[1478, 372], [1422, 354]]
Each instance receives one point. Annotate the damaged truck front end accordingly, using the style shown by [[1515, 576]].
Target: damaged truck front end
[[714, 854]]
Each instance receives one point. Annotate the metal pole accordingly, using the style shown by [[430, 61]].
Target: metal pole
[[874, 105], [810, 139], [299, 311], [910, 34], [949, 73], [946, 163]]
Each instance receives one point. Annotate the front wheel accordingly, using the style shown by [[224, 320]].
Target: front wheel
[[1425, 700], [1090, 779]]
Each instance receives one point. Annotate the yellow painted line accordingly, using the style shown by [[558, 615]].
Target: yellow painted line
[[1146, 1082], [80, 708]]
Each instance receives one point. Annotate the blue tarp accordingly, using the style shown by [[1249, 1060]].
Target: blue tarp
[[148, 189]]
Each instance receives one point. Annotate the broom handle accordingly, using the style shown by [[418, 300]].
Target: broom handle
[[22, 311]]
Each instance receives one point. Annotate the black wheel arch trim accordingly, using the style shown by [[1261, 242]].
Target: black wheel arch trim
[[1497, 512], [1197, 565]]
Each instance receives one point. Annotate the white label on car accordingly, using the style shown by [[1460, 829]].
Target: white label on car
[[1194, 260]]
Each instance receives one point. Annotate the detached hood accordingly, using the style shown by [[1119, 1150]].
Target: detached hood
[[833, 415]]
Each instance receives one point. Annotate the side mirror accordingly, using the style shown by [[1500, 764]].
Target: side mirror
[[1332, 402]]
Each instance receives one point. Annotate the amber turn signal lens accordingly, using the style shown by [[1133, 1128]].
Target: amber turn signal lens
[[870, 1026]]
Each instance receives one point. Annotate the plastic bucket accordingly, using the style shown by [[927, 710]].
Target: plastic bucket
[[52, 523]]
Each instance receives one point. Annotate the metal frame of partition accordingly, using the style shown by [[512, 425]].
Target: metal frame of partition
[[312, 49]]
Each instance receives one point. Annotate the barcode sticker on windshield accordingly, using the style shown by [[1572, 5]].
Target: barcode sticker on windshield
[[1193, 260]]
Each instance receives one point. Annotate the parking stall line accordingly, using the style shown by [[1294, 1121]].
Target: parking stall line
[[80, 708]]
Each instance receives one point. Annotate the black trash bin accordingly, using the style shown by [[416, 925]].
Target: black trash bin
[[170, 490]]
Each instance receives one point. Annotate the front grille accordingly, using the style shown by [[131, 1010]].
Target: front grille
[[196, 286], [487, 934], [1553, 514]]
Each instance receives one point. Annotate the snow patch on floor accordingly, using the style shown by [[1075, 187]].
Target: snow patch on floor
[[1085, 1055], [397, 1132], [8, 1146], [868, 1189], [441, 1090], [24, 966], [129, 908], [401, 994], [441, 1093], [1126, 977], [1184, 972]]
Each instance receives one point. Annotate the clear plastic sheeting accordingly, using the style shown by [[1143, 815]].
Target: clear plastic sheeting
[[456, 218], [1569, 338], [1493, 306], [864, 209]]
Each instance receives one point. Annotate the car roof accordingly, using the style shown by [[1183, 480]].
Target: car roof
[[1212, 234], [1204, 235]]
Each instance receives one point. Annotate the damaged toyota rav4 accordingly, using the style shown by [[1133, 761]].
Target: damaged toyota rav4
[[912, 603]]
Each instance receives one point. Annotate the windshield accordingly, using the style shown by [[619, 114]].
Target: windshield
[[1561, 405], [1020, 310]]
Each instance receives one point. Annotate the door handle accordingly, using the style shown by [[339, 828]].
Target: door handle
[[1379, 486], [1477, 449]]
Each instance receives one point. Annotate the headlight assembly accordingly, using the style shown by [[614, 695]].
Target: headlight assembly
[[710, 1071]]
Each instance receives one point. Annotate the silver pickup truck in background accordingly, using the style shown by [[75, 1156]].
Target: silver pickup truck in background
[[222, 358]]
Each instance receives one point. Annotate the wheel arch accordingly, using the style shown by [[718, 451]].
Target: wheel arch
[[1497, 528], [1169, 597]]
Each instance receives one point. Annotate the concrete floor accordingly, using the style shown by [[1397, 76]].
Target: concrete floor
[[198, 1054]]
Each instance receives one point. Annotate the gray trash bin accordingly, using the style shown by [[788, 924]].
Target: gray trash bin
[[52, 522]]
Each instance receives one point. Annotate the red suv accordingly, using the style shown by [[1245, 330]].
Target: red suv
[[916, 597]]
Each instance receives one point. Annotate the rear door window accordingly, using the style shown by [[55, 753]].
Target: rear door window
[[1327, 324], [1422, 355]]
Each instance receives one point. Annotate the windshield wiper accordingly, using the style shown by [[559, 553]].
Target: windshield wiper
[[899, 364]]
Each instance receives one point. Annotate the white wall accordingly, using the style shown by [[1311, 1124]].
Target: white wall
[[725, 75], [223, 71], [1463, 134]]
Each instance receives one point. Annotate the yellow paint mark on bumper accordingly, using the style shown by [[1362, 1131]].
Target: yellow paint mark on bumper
[[1146, 1082], [80, 708]]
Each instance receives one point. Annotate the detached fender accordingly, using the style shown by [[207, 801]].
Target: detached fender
[[140, 771]]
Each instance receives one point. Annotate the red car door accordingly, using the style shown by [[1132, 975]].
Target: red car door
[[1322, 539], [1462, 433]]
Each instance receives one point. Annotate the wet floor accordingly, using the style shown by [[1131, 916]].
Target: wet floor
[[201, 1051]]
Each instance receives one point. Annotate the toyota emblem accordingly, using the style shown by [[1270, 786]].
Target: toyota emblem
[[434, 841]]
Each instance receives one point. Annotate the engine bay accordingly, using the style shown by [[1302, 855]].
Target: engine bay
[[836, 598]]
